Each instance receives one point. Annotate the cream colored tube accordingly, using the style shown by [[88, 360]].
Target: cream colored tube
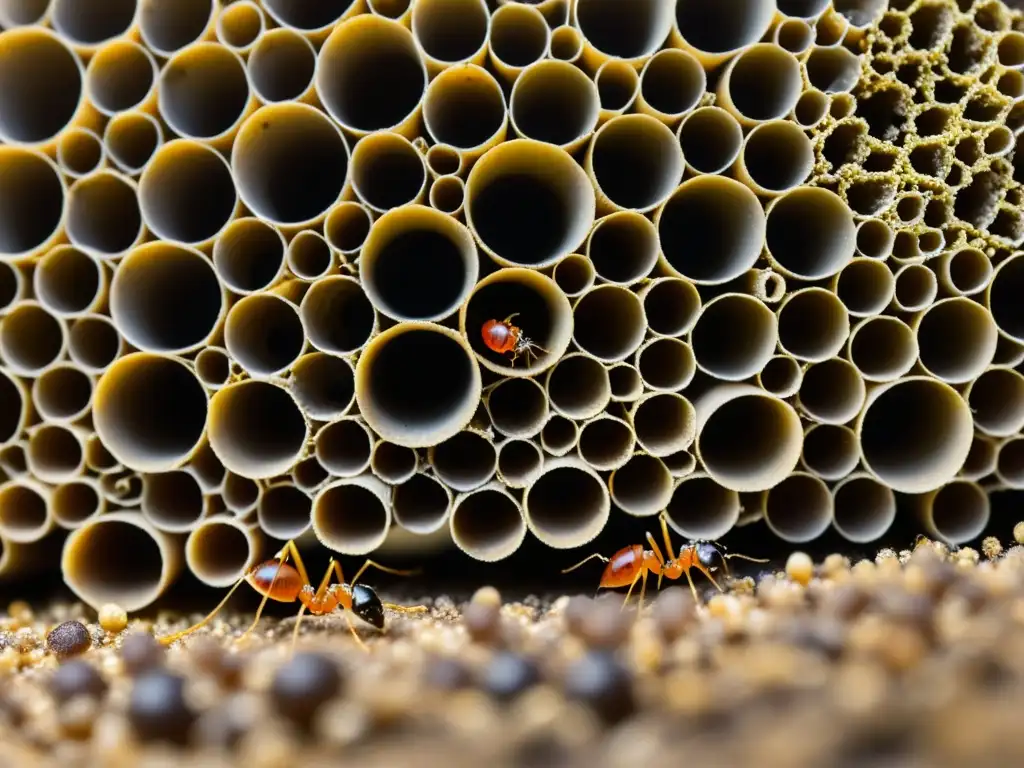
[[526, 180], [323, 385], [864, 509], [281, 66], [776, 157], [314, 20], [13, 461], [577, 386], [344, 447], [747, 440], [249, 255], [831, 451], [831, 391], [664, 423], [559, 435], [734, 337], [711, 140], [263, 333], [916, 288], [517, 407], [799, 508], [781, 376], [1010, 463], [61, 395], [56, 453], [671, 305], [627, 386], [833, 69], [25, 511], [97, 457], [167, 26], [956, 339], [122, 76], [957, 512], [609, 323], [346, 227], [123, 488], [256, 428], [398, 10], [186, 194], [352, 516], [290, 164], [810, 233], [981, 461], [915, 434], [174, 501], [605, 443], [641, 487], [338, 317], [310, 257], [131, 139], [447, 195], [23, 13], [874, 239], [451, 32], [387, 171], [465, 461], [372, 55], [77, 502], [671, 85], [615, 31], [32, 339], [833, 27], [762, 83], [554, 102], [16, 406], [120, 558], [635, 163], [222, 550], [139, 436], [415, 246], [700, 508], [309, 475], [712, 230], [421, 504], [519, 37], [417, 384], [488, 523], [883, 348], [996, 399], [543, 316], [14, 285], [207, 469], [618, 86], [69, 282], [32, 202], [520, 462], [394, 464], [444, 160], [865, 286], [80, 152], [566, 44], [240, 26], [623, 247], [964, 272], [666, 364], [574, 274], [1005, 284], [794, 35], [813, 324], [568, 505], [764, 285], [1008, 352], [152, 284], [714, 31], [103, 215], [241, 495]]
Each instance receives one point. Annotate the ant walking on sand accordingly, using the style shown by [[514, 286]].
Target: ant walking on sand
[[631, 564], [277, 580], [503, 337]]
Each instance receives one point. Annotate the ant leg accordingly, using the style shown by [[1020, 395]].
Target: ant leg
[[629, 591], [710, 578], [664, 532], [168, 639], [693, 587], [295, 632], [405, 608], [352, 629], [380, 567], [643, 590], [319, 595], [657, 553], [587, 559], [509, 318]]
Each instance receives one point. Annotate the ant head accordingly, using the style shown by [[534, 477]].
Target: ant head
[[367, 606]]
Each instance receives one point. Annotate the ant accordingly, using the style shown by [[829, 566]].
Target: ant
[[503, 337], [277, 580], [631, 564]]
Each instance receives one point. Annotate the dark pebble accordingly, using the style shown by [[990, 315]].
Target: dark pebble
[[482, 622], [303, 684], [226, 668], [157, 709], [223, 726], [606, 626], [673, 610], [447, 674], [604, 684], [140, 653], [69, 639], [76, 678], [508, 675]]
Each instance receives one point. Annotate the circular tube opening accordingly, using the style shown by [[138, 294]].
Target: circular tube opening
[[567, 506], [488, 525], [350, 516]]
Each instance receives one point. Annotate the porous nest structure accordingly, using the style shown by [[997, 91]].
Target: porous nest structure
[[374, 272]]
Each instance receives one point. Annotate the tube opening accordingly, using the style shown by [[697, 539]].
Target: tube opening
[[810, 109], [248, 255], [635, 161], [574, 275], [642, 486], [711, 140], [810, 233], [488, 525], [67, 281], [554, 102], [284, 511], [916, 287], [664, 422], [799, 508], [448, 195], [393, 463], [559, 435], [203, 91], [734, 337], [79, 152], [960, 511], [666, 364], [172, 501], [465, 461], [567, 506], [617, 85], [609, 323], [832, 391], [264, 334], [387, 171], [778, 156], [969, 271], [700, 508], [673, 82], [256, 429], [23, 13], [24, 512], [55, 453], [578, 387], [103, 214], [831, 451], [716, 27], [309, 474], [31, 56], [132, 138], [240, 25], [337, 316], [324, 385], [982, 459], [208, 470], [781, 376], [625, 382], [94, 343], [672, 306], [519, 35], [347, 226], [813, 324], [31, 198], [996, 399], [443, 160], [13, 405], [517, 407], [865, 287], [606, 443], [566, 43], [120, 75], [309, 256], [74, 503], [421, 504], [519, 462], [623, 247], [764, 82], [864, 509], [350, 518], [240, 493], [307, 15], [281, 66], [219, 552], [31, 339], [168, 27], [883, 348], [632, 32], [956, 340], [450, 31]]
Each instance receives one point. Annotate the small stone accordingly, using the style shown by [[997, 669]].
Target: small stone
[[576, 611], [69, 639], [141, 652], [74, 679], [223, 726], [77, 717], [1018, 533], [158, 710], [673, 610], [800, 567], [487, 596], [606, 626], [508, 675], [447, 674], [113, 618], [600, 681], [482, 622], [991, 547], [304, 684]]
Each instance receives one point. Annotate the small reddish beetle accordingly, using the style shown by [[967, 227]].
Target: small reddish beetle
[[503, 337]]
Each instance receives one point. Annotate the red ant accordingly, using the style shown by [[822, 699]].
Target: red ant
[[631, 564], [503, 337], [277, 580]]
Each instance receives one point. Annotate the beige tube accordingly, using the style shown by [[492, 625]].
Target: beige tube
[[663, 422], [337, 316], [776, 157], [1011, 84], [257, 429], [956, 339], [1010, 463], [394, 464], [916, 288], [813, 324], [807, 10], [121, 488], [519, 37], [605, 443], [103, 214], [13, 461], [810, 233], [167, 26], [61, 395], [309, 256], [152, 284], [671, 305], [14, 286], [314, 20], [487, 524], [451, 32], [387, 171], [882, 348], [831, 451], [76, 503], [421, 504], [67, 282], [32, 196], [263, 333], [672, 84], [734, 337], [799, 508], [1008, 352], [25, 514], [520, 462], [1000, 297], [618, 86], [712, 230], [526, 180], [996, 398], [763, 82], [56, 453], [173, 501], [626, 384], [865, 286], [613, 31], [281, 66], [568, 505], [554, 102], [666, 364], [577, 386], [609, 323], [16, 405], [249, 255], [641, 487], [222, 549], [23, 13], [309, 475], [131, 139], [700, 508], [781, 376], [542, 314], [122, 76], [31, 339], [80, 152], [574, 274], [290, 164], [711, 140], [559, 435], [186, 194], [811, 108], [97, 457], [447, 195], [323, 385], [120, 558], [371, 55], [874, 239], [981, 461], [566, 44], [714, 31], [409, 248], [635, 163], [241, 495], [832, 27], [794, 35], [833, 69], [399, 10], [832, 391], [517, 407], [444, 160], [957, 512], [352, 516], [747, 440], [346, 227], [464, 461], [207, 469], [240, 25], [417, 384], [915, 434], [623, 247], [964, 272], [864, 509]]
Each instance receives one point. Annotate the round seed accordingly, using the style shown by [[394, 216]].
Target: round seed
[[68, 639]]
